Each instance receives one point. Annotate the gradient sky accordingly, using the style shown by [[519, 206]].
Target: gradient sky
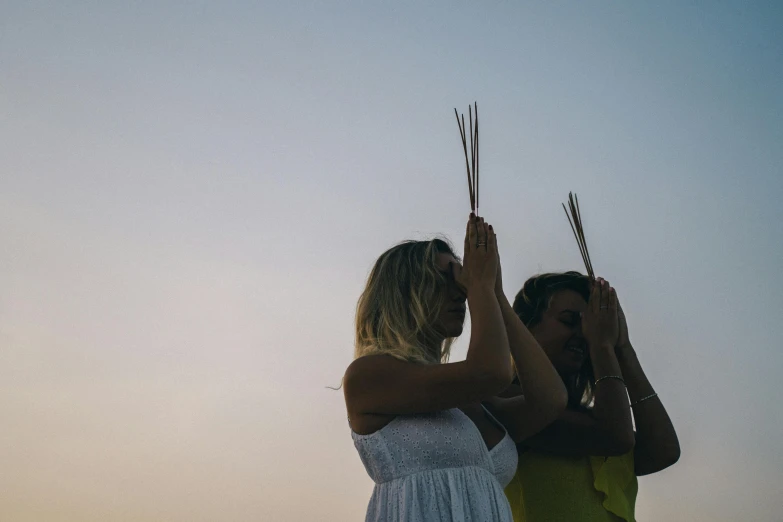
[[192, 194]]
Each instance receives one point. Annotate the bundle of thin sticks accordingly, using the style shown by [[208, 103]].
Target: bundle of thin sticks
[[575, 220], [471, 163]]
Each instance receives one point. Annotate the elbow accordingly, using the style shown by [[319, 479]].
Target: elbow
[[496, 380], [492, 377], [537, 417], [626, 444], [507, 375], [553, 408], [500, 381], [670, 456], [501, 375], [658, 461], [621, 443]]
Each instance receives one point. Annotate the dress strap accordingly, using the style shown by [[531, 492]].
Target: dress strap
[[493, 419]]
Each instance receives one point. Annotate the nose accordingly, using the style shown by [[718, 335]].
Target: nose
[[578, 327], [456, 293]]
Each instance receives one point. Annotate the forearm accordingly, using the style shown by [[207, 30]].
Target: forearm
[[541, 385], [657, 446], [489, 349], [606, 429], [578, 434], [611, 409]]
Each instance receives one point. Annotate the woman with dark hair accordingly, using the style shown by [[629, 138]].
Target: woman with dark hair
[[417, 422], [583, 467]]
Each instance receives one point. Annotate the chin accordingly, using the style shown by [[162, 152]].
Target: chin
[[455, 332]]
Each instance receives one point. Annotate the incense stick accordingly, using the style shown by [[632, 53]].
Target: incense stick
[[477, 159], [582, 234], [472, 161], [575, 220]]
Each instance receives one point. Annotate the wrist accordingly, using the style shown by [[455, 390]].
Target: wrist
[[479, 290]]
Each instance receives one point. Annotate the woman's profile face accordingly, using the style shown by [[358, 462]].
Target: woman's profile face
[[451, 319], [560, 331]]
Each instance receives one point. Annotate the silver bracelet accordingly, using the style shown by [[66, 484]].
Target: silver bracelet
[[644, 399], [618, 377]]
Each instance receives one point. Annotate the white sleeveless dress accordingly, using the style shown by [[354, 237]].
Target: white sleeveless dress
[[436, 467]]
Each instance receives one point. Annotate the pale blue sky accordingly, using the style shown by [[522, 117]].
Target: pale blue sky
[[192, 194]]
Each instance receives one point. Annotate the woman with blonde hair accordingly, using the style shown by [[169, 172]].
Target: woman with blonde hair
[[417, 421]]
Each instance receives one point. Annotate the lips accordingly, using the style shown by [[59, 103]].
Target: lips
[[580, 349]]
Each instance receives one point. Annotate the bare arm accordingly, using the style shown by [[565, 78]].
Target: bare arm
[[542, 395], [657, 446], [381, 384], [607, 429]]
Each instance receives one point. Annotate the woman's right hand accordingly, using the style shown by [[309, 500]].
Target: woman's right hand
[[480, 262], [600, 324]]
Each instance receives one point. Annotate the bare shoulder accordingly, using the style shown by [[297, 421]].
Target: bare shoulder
[[360, 375], [368, 370], [385, 385], [369, 366]]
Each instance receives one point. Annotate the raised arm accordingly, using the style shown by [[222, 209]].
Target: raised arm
[[541, 396], [607, 428], [657, 446], [381, 384]]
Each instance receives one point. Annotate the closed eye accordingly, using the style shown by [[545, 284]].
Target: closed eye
[[569, 318]]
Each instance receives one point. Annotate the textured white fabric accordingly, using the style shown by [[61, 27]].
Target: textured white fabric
[[436, 467]]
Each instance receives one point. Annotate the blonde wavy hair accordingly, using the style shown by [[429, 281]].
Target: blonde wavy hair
[[398, 309]]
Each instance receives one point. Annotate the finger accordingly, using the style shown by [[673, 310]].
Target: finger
[[481, 232], [612, 301], [604, 294], [592, 302], [470, 234], [492, 245], [467, 235]]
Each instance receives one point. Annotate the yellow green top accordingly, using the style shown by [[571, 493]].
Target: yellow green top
[[582, 489]]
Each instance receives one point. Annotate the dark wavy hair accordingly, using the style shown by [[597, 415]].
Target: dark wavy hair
[[530, 304]]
